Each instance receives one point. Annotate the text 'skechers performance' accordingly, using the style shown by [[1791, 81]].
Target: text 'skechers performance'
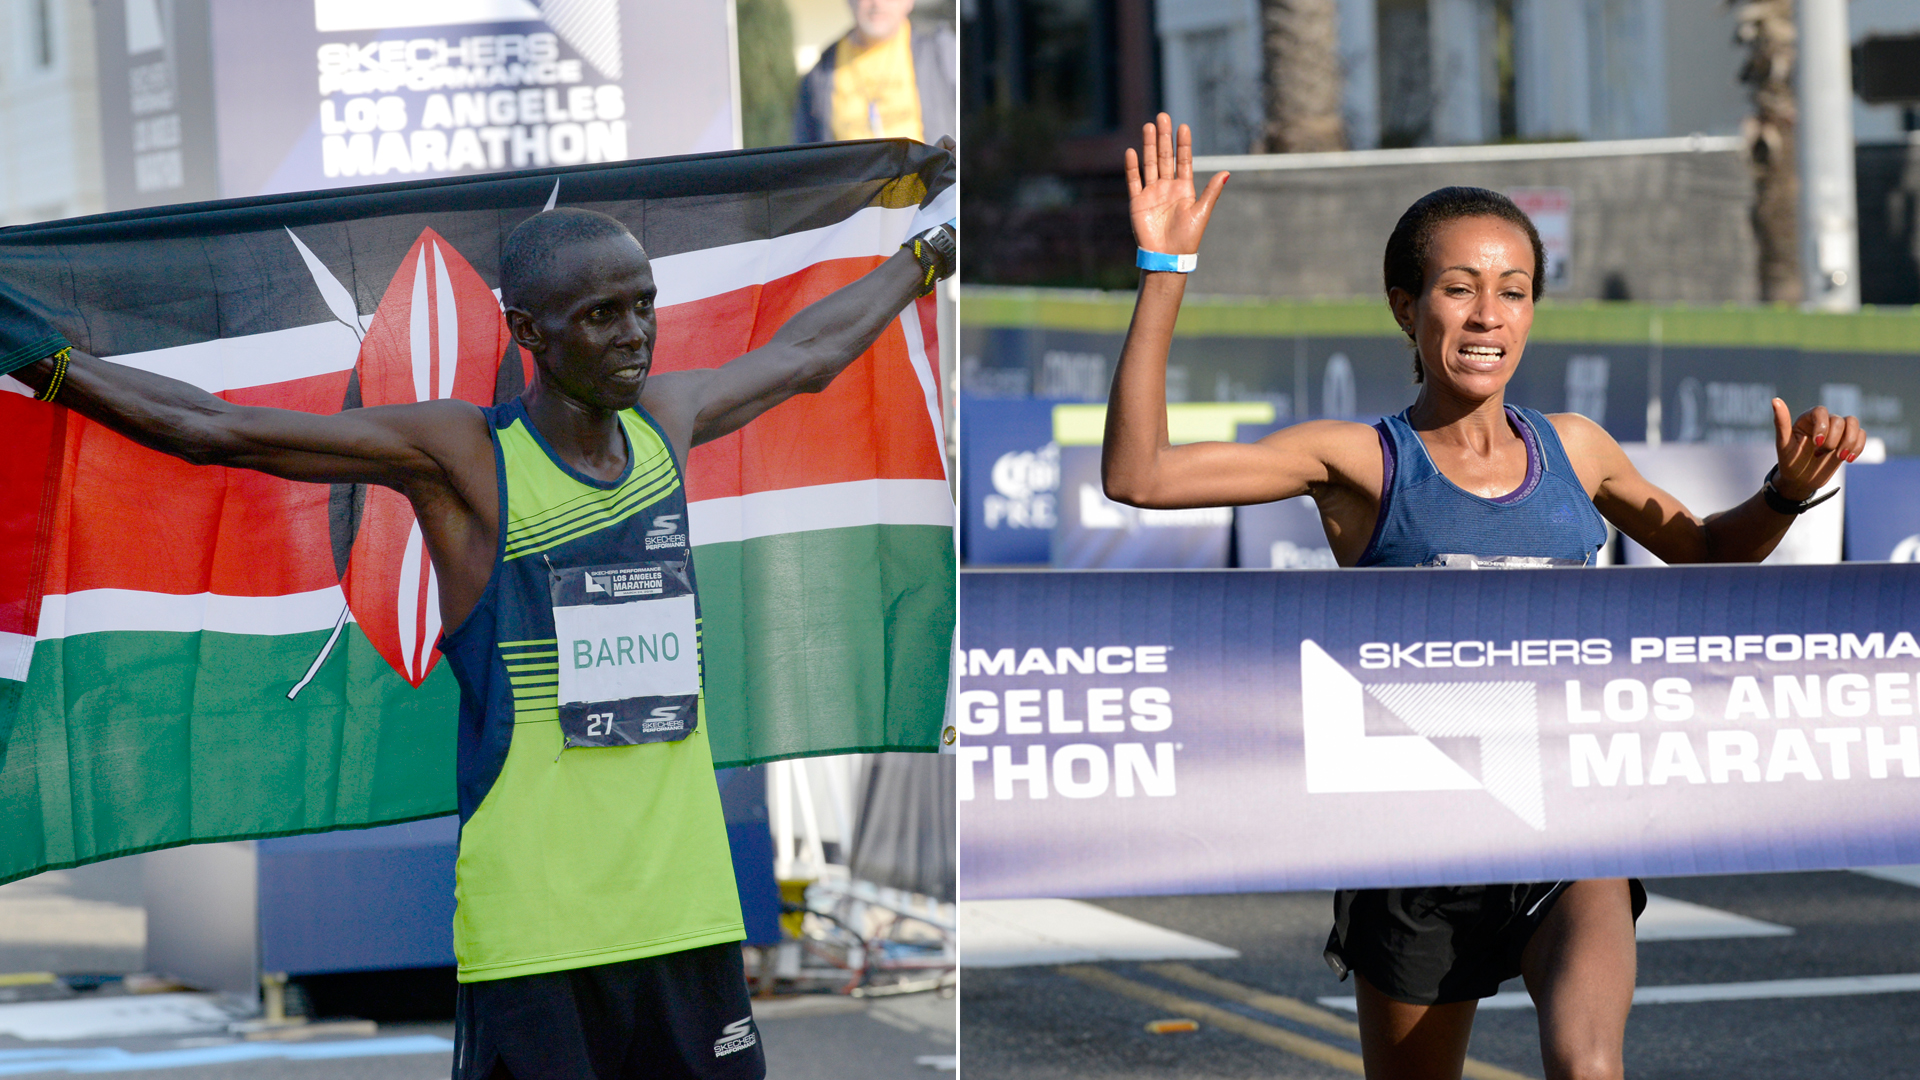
[[1127, 733]]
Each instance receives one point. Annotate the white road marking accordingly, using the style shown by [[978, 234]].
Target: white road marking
[[1021, 933], [1905, 875], [118, 1017], [106, 1059], [1667, 919], [1838, 986]]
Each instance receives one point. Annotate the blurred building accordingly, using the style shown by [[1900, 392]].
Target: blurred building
[[1054, 90], [1459, 72], [49, 112]]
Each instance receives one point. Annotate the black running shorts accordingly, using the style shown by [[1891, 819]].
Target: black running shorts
[[680, 1016], [1431, 946]]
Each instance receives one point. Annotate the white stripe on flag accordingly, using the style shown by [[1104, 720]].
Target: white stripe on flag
[[96, 610], [16, 655], [741, 517], [923, 370], [696, 275], [945, 207], [234, 363], [821, 506]]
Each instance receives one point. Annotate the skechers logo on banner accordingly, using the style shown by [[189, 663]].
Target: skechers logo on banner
[[1341, 758], [735, 1037], [665, 532], [1074, 770], [1541, 652]]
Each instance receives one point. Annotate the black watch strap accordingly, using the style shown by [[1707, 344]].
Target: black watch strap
[[934, 250], [1780, 504]]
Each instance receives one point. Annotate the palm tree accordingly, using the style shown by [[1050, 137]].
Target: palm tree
[[1304, 81], [769, 81], [1766, 27]]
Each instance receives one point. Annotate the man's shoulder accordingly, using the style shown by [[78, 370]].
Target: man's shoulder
[[932, 33], [934, 42]]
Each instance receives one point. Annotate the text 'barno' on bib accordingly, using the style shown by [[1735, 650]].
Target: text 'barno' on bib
[[629, 652]]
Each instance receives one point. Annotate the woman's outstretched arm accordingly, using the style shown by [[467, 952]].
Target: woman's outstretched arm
[[1138, 464], [1811, 450]]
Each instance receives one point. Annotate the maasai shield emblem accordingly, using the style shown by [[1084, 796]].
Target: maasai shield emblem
[[438, 333]]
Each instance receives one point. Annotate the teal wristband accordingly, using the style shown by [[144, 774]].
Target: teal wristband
[[1160, 260]]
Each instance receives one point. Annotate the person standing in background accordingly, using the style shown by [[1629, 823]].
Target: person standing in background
[[885, 79]]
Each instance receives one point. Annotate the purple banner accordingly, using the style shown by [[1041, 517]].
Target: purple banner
[[1233, 731]]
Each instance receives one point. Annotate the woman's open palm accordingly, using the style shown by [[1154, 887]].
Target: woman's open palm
[[1166, 216]]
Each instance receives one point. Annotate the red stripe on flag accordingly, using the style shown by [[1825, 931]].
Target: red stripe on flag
[[871, 423], [133, 518], [29, 480]]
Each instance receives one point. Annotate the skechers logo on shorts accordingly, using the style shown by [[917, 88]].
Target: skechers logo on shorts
[[735, 1036], [1342, 758], [665, 532]]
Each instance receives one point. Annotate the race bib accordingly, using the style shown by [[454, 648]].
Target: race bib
[[629, 654], [1502, 562]]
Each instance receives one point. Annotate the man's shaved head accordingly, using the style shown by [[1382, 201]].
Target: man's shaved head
[[526, 260]]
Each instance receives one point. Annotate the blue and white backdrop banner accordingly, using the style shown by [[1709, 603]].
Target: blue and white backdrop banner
[[1228, 731]]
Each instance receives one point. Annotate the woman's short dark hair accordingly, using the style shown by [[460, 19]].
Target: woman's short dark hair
[[1411, 244]]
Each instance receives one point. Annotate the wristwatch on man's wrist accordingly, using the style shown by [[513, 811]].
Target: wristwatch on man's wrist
[[934, 250]]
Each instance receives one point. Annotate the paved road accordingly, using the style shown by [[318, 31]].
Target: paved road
[[91, 920], [823, 1039], [1060, 1022]]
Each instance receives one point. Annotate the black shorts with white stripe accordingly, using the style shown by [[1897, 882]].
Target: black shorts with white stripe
[[1431, 946], [678, 1016]]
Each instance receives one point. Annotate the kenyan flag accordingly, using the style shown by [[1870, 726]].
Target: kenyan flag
[[202, 653]]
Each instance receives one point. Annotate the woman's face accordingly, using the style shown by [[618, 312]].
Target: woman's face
[[1472, 316]]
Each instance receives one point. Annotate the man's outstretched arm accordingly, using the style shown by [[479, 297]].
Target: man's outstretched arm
[[394, 446], [803, 357]]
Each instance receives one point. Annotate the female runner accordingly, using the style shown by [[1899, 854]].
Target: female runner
[[1460, 473]]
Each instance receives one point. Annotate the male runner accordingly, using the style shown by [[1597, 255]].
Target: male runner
[[597, 917]]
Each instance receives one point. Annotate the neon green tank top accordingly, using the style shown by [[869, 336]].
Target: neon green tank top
[[596, 854]]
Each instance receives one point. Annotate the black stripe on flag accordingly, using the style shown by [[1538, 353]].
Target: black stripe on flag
[[155, 278]]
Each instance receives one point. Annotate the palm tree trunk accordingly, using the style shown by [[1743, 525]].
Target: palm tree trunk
[[1766, 27], [1304, 80]]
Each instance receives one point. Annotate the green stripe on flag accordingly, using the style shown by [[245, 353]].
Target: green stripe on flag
[[832, 638], [128, 741], [831, 641]]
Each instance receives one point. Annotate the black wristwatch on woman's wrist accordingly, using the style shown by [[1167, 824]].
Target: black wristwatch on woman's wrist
[[1780, 504]]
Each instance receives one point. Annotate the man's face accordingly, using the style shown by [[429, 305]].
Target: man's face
[[878, 20], [592, 328]]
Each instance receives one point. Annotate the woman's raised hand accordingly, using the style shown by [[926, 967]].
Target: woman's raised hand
[[1166, 216]]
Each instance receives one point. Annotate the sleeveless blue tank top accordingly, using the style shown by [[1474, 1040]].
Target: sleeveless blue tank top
[[1427, 520]]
